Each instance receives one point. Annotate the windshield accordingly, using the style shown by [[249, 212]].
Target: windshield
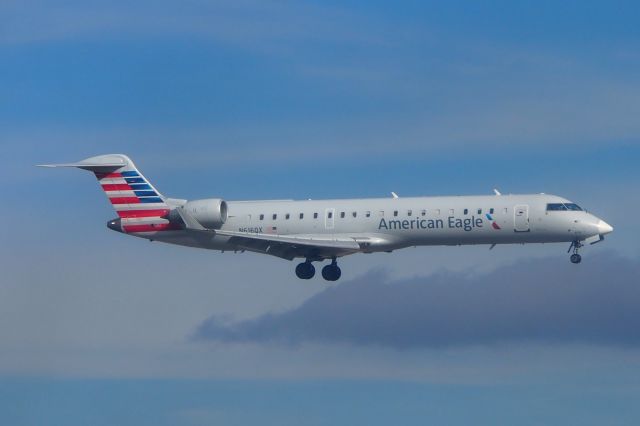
[[574, 207], [563, 207]]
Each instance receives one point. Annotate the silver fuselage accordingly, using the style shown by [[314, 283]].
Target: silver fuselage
[[318, 230], [384, 224]]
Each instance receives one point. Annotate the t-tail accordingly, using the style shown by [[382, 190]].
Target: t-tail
[[140, 207]]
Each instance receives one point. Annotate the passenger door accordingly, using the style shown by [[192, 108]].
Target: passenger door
[[329, 217], [521, 218]]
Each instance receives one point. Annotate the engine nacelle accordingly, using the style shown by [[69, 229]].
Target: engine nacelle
[[210, 213]]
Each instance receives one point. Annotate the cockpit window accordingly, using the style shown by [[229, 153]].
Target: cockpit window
[[555, 207], [574, 207], [563, 207]]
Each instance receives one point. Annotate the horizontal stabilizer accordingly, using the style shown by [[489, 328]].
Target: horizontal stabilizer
[[87, 166], [113, 163], [101, 163]]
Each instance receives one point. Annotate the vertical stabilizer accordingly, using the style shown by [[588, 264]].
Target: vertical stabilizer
[[140, 207]]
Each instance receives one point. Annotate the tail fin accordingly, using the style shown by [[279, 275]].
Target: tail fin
[[140, 207]]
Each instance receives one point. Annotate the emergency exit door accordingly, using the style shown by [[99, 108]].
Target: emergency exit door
[[521, 218]]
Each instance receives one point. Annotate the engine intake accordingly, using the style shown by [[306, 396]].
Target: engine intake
[[210, 213]]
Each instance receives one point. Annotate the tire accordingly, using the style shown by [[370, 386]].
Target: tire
[[305, 271], [576, 258], [331, 273]]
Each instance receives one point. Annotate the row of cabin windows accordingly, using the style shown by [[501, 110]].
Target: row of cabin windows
[[423, 212]]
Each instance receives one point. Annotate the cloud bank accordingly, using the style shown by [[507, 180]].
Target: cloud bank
[[546, 300]]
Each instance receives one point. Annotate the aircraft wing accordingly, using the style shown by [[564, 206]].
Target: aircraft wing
[[284, 246], [292, 246]]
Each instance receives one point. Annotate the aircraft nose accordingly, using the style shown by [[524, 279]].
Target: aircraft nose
[[604, 227]]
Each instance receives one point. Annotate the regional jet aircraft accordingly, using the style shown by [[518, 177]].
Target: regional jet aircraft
[[319, 230]]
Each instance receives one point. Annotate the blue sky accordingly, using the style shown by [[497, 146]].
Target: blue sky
[[248, 99]]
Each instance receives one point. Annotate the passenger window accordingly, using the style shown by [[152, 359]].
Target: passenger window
[[409, 212], [287, 216], [301, 215], [505, 210], [275, 216], [354, 214], [451, 212], [368, 214], [491, 210], [423, 212], [261, 217], [395, 212], [330, 215], [479, 211], [437, 212], [466, 211], [315, 215], [381, 213], [342, 215]]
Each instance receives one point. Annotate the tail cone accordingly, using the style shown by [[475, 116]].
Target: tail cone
[[115, 224]]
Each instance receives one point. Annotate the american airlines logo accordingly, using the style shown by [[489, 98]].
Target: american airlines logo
[[452, 222]]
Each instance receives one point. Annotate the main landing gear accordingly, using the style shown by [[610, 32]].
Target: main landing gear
[[575, 257], [306, 271], [331, 272]]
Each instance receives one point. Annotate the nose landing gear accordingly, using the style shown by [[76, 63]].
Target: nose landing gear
[[575, 257]]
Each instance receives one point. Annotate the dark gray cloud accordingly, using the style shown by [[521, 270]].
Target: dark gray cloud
[[550, 300]]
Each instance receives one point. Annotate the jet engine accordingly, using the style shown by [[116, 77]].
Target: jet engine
[[210, 213]]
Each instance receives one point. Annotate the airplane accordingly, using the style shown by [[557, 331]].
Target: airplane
[[319, 230]]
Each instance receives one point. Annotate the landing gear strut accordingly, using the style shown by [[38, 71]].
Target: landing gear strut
[[575, 257], [305, 270], [331, 272]]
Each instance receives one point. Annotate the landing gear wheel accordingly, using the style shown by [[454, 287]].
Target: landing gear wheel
[[575, 246], [305, 271], [331, 272]]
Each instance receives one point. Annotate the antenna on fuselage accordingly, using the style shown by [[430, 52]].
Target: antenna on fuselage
[[496, 191], [394, 195]]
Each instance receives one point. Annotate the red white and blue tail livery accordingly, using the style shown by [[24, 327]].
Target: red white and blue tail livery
[[319, 230], [139, 205]]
